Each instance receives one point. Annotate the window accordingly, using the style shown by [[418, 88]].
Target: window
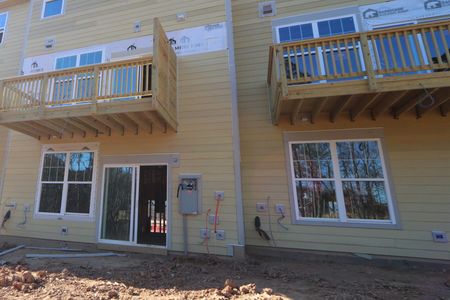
[[52, 8], [66, 183], [64, 85], [3, 20], [341, 180]]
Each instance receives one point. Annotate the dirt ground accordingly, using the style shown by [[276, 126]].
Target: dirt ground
[[139, 276]]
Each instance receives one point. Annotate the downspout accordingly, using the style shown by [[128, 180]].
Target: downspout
[[20, 72], [235, 125]]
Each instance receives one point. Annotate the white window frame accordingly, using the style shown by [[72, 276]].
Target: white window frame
[[315, 27], [44, 3], [63, 215], [337, 179], [3, 29]]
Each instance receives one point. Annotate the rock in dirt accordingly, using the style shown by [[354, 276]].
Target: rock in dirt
[[113, 294], [248, 289], [267, 291], [18, 285], [230, 283], [27, 277]]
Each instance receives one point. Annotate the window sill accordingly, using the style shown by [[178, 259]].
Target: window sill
[[59, 217], [369, 225]]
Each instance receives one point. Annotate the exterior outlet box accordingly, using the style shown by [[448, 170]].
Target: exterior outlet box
[[261, 207], [50, 43], [212, 218], [189, 193], [219, 196], [64, 230], [280, 209], [137, 26], [204, 234], [440, 236], [220, 235]]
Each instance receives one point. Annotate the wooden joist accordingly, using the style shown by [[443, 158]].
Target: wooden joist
[[92, 122], [340, 106], [296, 111], [318, 108], [110, 123], [387, 102], [412, 103], [440, 98], [362, 105]]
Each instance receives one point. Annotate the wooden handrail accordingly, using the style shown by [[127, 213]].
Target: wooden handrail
[[364, 55]]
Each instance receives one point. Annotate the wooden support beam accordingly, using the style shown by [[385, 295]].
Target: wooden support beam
[[46, 131], [413, 103], [110, 123], [100, 127], [340, 106], [125, 122], [81, 126], [34, 130], [445, 108], [58, 127], [362, 105], [18, 128], [296, 111], [155, 120], [141, 121], [67, 125], [318, 108], [386, 102], [441, 97]]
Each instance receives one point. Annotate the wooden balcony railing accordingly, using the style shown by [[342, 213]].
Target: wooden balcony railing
[[399, 51], [93, 84], [145, 84]]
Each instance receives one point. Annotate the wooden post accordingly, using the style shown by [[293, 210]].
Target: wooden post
[[282, 69], [95, 89], [368, 62], [2, 88], [43, 94]]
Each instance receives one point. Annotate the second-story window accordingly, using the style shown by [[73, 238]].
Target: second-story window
[[52, 8], [3, 19]]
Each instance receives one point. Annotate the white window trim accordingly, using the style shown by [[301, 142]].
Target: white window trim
[[78, 55], [314, 23], [68, 148], [63, 10], [4, 28], [333, 136]]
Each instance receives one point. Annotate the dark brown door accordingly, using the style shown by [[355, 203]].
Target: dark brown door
[[152, 221]]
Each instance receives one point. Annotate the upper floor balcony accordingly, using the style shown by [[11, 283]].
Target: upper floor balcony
[[138, 95], [395, 70]]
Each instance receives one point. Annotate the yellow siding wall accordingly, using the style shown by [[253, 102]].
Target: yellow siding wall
[[418, 150], [204, 139]]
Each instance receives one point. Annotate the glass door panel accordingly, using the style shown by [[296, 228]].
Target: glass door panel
[[118, 198]]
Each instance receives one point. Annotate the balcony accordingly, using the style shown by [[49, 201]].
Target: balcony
[[138, 95], [397, 71]]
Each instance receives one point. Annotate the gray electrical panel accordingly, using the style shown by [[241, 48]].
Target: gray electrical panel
[[189, 194]]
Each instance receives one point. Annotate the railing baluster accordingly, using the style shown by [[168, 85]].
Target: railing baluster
[[427, 49], [341, 60], [409, 52], [400, 50], [355, 49], [417, 44], [333, 60], [289, 62], [445, 44], [436, 47], [43, 93]]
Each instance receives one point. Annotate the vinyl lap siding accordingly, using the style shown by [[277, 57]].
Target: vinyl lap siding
[[204, 138], [418, 151]]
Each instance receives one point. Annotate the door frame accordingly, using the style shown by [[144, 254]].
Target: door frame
[[135, 206]]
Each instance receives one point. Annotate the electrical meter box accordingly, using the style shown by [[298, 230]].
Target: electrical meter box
[[189, 194]]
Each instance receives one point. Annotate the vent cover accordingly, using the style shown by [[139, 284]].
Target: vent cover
[[50, 43], [267, 9]]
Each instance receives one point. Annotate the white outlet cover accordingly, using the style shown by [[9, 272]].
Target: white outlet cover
[[218, 195], [220, 235], [204, 233], [280, 209], [261, 207]]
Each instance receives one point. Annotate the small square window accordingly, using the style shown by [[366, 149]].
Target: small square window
[[52, 8], [3, 20]]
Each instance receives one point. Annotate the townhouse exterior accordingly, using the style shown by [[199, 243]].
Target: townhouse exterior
[[193, 125]]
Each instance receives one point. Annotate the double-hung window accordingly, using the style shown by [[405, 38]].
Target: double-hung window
[[340, 180], [66, 185], [52, 8], [3, 20]]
